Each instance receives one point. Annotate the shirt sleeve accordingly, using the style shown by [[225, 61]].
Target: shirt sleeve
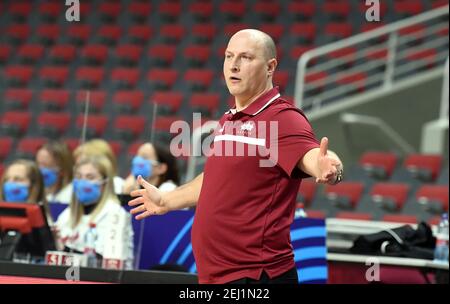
[[295, 138]]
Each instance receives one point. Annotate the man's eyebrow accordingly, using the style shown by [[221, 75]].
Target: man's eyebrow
[[242, 53]]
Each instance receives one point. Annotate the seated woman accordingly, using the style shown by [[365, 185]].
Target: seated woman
[[156, 165], [56, 164], [94, 202], [22, 182], [101, 147]]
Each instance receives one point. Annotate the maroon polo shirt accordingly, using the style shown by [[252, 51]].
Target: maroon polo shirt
[[250, 184]]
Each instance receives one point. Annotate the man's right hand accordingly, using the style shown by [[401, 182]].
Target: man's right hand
[[148, 200]]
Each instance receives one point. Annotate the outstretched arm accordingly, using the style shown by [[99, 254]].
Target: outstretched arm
[[322, 164], [151, 201]]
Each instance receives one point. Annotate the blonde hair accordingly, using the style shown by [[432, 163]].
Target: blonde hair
[[104, 167], [36, 188], [97, 147]]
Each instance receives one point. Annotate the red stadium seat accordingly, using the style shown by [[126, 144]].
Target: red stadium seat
[[17, 99], [338, 9], [390, 196], [62, 53], [409, 8], [17, 33], [172, 33], [96, 100], [109, 11], [162, 54], [139, 11], [267, 10], [338, 30], [6, 144], [307, 192], [424, 167], [204, 33], [5, 52], [18, 75], [162, 128], [20, 11], [48, 33], [298, 51], [109, 34], [15, 122], [168, 102], [316, 79], [281, 79], [346, 55], [302, 9], [163, 79], [357, 79], [128, 101], [197, 55], [274, 30], [94, 54], [230, 29], [128, 54], [201, 10], [30, 53], [89, 77], [125, 78], [78, 33], [199, 79], [434, 198], [129, 127], [133, 148], [51, 10], [345, 195], [303, 31], [205, 103], [319, 214], [54, 99], [96, 124], [354, 216], [170, 11], [72, 143], [54, 76], [27, 147], [140, 34], [400, 218], [53, 124], [232, 10], [379, 164], [427, 57]]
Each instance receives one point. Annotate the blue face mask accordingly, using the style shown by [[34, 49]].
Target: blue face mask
[[141, 166], [15, 192], [87, 192], [50, 176]]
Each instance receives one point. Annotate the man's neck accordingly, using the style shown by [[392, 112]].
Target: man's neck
[[242, 104]]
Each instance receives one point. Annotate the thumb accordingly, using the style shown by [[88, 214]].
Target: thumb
[[323, 146], [152, 191]]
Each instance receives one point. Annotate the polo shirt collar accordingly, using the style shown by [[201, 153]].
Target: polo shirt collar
[[259, 104]]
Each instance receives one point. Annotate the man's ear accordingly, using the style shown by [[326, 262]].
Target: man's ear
[[271, 66]]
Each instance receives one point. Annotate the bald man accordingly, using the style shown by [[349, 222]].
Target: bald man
[[245, 198]]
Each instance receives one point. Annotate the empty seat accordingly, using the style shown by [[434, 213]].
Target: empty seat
[[162, 128], [78, 33], [345, 56], [302, 9], [426, 57], [133, 148], [50, 11], [95, 125], [27, 147], [338, 30], [19, 11], [408, 8], [5, 53], [303, 31], [274, 30], [96, 100], [17, 99], [89, 77], [53, 125], [358, 80], [232, 10], [354, 216], [48, 33], [344, 195], [197, 55], [30, 53], [204, 32], [125, 78], [400, 218], [139, 11], [336, 9], [109, 11], [54, 76], [62, 53], [434, 198], [199, 79], [167, 103], [268, 11], [205, 103], [169, 11], [17, 33], [128, 101], [390, 196], [128, 54], [162, 54], [94, 54], [129, 127], [18, 75], [162, 79], [139, 34], [298, 51], [109, 34], [423, 167], [54, 99], [379, 165], [6, 144], [230, 29], [281, 79], [14, 123], [307, 192], [201, 10], [172, 33]]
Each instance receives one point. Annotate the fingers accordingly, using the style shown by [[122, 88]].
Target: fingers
[[138, 192], [138, 209], [136, 201], [323, 146], [144, 183], [143, 215]]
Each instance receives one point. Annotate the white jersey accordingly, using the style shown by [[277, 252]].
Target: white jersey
[[74, 238], [63, 196]]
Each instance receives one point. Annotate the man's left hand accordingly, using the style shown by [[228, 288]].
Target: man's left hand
[[330, 167]]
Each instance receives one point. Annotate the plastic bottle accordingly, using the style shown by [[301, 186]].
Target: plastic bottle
[[300, 211], [89, 249], [441, 250]]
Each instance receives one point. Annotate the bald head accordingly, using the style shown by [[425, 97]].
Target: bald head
[[260, 38]]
